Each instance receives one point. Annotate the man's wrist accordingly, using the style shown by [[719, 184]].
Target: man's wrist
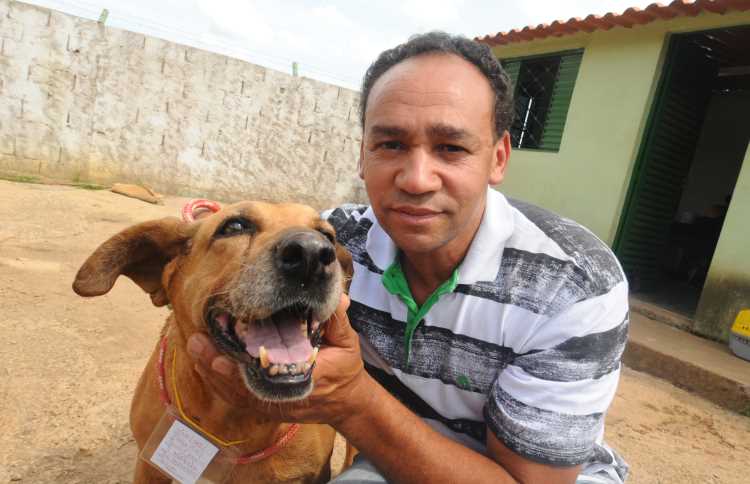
[[358, 405]]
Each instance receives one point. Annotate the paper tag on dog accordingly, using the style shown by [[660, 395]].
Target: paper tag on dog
[[184, 454]]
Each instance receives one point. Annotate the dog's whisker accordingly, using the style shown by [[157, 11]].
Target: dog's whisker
[[212, 295]]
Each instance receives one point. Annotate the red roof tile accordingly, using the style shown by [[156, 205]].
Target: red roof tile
[[629, 18]]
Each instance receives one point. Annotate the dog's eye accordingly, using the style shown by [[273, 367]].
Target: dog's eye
[[235, 226], [328, 236]]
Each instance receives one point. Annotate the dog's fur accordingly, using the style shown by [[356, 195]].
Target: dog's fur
[[194, 265]]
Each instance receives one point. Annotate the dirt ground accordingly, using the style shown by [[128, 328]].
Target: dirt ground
[[69, 365]]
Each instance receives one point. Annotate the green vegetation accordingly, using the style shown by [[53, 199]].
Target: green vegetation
[[43, 181], [20, 178], [88, 186]]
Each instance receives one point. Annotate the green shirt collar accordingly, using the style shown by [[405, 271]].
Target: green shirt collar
[[395, 283]]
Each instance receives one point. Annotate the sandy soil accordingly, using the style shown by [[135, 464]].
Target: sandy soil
[[69, 365]]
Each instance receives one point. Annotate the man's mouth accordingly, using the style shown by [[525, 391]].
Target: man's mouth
[[414, 215], [415, 211], [280, 348]]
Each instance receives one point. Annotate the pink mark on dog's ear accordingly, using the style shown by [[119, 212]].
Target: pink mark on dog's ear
[[197, 208]]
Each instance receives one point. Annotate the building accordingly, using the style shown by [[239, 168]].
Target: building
[[637, 125]]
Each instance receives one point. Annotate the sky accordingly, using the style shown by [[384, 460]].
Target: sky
[[333, 40]]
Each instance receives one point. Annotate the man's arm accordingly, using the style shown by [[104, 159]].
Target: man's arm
[[406, 449], [396, 440]]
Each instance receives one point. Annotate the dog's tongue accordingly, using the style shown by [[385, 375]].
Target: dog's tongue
[[283, 340]]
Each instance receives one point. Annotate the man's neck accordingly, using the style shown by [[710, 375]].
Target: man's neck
[[422, 283], [425, 272]]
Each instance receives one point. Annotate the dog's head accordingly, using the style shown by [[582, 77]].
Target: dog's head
[[260, 278]]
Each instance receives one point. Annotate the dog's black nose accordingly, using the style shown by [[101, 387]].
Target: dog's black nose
[[305, 257]]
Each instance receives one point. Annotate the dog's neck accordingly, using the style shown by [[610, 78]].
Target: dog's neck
[[206, 408]]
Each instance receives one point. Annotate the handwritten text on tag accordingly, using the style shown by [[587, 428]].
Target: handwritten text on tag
[[184, 454]]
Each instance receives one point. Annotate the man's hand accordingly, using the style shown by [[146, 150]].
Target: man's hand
[[338, 376]]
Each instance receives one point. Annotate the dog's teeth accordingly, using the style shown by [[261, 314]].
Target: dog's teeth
[[283, 370], [264, 363], [314, 355], [307, 366], [273, 370], [292, 368]]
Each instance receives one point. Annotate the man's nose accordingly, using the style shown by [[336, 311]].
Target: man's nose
[[417, 174]]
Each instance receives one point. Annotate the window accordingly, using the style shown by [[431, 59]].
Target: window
[[543, 89]]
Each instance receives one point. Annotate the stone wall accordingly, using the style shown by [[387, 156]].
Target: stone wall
[[85, 102]]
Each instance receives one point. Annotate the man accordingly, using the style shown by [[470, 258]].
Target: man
[[491, 331]]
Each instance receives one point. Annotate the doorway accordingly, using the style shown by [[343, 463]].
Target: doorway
[[686, 168]]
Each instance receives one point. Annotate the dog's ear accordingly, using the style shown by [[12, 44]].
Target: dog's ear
[[347, 266], [140, 252]]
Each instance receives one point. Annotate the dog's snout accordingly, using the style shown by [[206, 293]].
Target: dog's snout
[[305, 257]]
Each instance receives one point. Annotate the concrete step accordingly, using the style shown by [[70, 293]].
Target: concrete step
[[704, 367]]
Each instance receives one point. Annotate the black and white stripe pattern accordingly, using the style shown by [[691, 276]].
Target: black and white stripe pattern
[[528, 345], [436, 352]]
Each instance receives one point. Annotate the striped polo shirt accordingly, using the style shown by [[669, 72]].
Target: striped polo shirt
[[526, 341]]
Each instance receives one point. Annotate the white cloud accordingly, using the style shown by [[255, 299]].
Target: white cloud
[[432, 14], [236, 19]]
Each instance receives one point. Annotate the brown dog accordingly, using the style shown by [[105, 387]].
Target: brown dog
[[260, 279]]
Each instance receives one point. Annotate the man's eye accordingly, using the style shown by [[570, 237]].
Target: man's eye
[[450, 148], [235, 226], [392, 145]]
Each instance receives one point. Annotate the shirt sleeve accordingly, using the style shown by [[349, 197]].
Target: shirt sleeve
[[340, 215], [345, 221], [549, 403]]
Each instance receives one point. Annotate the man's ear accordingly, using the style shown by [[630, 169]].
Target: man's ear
[[347, 266], [500, 155], [140, 252]]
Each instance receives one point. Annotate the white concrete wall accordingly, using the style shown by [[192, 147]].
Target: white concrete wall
[[85, 102]]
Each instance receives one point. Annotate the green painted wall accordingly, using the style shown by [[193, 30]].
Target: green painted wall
[[587, 180], [727, 288]]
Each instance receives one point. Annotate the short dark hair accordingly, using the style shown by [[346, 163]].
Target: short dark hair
[[440, 42]]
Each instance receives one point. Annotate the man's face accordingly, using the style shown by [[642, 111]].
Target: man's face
[[429, 152]]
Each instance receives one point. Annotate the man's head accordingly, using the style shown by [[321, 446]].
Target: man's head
[[440, 42], [434, 139]]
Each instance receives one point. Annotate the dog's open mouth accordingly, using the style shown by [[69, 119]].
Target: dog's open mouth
[[281, 349]]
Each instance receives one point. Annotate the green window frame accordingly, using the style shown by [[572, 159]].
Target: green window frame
[[543, 89]]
